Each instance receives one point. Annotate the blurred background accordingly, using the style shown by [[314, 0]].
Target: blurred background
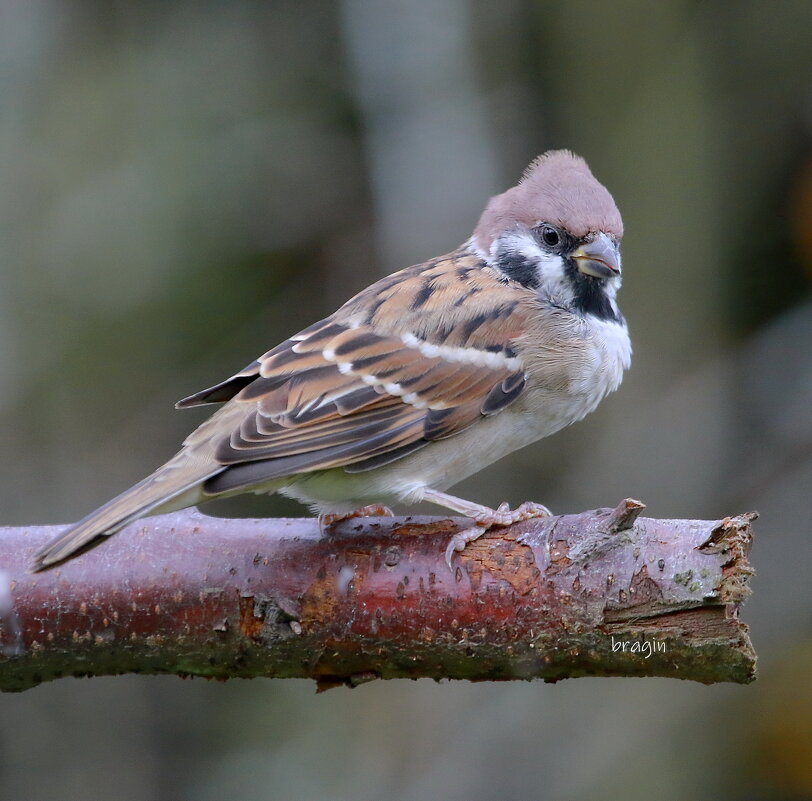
[[186, 184]]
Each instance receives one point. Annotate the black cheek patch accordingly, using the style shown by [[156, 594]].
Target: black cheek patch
[[519, 268]]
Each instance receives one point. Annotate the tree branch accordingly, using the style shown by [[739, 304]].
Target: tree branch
[[602, 593]]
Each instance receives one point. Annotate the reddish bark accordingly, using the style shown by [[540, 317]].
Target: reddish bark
[[550, 598]]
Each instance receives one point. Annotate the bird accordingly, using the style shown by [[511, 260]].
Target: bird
[[419, 380]]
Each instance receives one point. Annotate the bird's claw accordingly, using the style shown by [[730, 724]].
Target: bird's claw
[[326, 521], [460, 540], [503, 515]]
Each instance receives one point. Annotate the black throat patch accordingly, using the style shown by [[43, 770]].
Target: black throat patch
[[590, 295]]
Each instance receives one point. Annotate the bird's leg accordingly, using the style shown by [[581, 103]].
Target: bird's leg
[[483, 516], [373, 510]]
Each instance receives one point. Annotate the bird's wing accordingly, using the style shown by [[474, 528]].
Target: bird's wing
[[417, 357], [387, 374]]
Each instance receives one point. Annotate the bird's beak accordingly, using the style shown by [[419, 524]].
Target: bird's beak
[[599, 258]]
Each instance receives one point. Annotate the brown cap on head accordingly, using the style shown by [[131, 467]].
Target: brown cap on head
[[557, 188]]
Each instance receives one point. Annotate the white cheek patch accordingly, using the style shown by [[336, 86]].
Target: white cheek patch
[[550, 267], [524, 244]]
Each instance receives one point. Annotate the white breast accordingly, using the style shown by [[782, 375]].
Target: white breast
[[608, 353]]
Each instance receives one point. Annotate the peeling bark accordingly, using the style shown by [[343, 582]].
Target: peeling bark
[[601, 593]]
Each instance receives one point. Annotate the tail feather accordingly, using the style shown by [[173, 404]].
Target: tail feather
[[155, 493]]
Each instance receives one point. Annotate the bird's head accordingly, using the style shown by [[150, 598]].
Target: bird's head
[[558, 232]]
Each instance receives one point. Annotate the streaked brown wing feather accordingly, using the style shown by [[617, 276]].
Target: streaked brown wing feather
[[356, 391], [223, 391]]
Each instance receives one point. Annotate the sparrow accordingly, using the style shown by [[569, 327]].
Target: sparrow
[[421, 379]]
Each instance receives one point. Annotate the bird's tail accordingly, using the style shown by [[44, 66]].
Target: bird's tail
[[172, 486]]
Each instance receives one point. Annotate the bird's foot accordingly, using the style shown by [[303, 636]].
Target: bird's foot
[[486, 518], [326, 521]]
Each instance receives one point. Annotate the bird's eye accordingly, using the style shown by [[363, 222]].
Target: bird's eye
[[550, 236]]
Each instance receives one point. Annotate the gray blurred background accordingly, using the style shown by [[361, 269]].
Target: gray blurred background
[[185, 184]]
